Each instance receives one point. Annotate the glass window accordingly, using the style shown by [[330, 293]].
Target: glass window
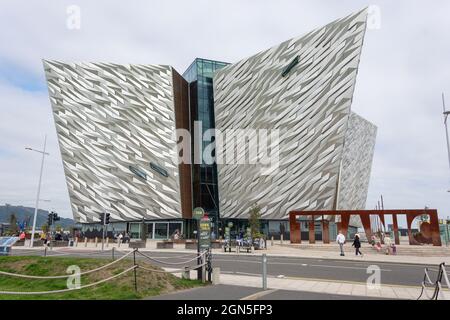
[[161, 230], [174, 226], [135, 230]]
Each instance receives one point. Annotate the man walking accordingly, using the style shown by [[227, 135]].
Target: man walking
[[340, 239]]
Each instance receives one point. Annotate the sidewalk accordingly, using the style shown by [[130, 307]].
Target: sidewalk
[[234, 292], [346, 290]]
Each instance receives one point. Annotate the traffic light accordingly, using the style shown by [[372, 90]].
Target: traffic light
[[55, 217], [107, 218], [50, 219], [102, 219]]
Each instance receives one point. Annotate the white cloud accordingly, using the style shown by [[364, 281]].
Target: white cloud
[[403, 70]]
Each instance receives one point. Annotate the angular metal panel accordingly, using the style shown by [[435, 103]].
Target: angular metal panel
[[356, 163], [110, 118], [309, 104]]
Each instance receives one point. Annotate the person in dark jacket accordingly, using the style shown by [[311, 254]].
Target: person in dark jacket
[[357, 244]]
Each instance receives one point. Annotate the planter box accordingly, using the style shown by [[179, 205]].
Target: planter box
[[164, 245], [60, 243], [137, 244], [191, 245], [216, 244], [19, 243]]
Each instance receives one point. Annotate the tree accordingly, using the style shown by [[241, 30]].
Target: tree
[[45, 228], [254, 221], [13, 229]]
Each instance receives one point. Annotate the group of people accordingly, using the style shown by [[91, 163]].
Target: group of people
[[376, 243], [122, 237], [340, 239]]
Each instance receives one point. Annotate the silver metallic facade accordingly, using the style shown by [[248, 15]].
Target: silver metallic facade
[[112, 122], [116, 124], [356, 163], [310, 105]]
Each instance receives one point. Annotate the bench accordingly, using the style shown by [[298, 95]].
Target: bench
[[164, 245]]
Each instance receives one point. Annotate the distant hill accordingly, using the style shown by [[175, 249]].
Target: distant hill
[[24, 213]]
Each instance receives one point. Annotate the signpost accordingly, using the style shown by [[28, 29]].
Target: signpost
[[205, 233], [197, 214], [205, 244]]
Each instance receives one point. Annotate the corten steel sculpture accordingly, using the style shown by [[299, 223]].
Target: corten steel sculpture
[[432, 232]]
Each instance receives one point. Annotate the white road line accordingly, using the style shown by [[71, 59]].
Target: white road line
[[342, 267], [258, 295]]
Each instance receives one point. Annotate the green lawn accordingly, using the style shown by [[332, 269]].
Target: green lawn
[[149, 283]]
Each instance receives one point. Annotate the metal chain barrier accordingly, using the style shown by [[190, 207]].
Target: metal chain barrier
[[172, 271], [64, 276], [70, 289], [171, 263]]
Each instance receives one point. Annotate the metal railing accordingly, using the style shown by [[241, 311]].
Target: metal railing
[[437, 287], [204, 265]]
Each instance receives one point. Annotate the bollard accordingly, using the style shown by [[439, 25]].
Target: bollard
[[186, 273], [118, 242], [76, 241], [112, 251], [252, 249], [45, 251], [216, 276], [281, 239], [238, 249], [135, 276], [271, 242], [96, 242], [107, 242], [203, 274], [264, 271]]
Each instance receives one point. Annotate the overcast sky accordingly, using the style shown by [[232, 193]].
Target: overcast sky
[[404, 68]]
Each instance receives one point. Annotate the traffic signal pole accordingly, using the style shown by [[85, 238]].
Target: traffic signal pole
[[104, 227]]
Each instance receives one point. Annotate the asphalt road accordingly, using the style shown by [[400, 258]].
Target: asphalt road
[[311, 268]]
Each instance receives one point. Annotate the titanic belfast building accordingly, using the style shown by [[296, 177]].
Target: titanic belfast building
[[119, 126]]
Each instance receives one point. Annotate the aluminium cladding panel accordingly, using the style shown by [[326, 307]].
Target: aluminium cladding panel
[[112, 121], [309, 105], [357, 160]]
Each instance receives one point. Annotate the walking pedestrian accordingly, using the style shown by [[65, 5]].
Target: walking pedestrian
[[357, 245], [388, 244], [340, 239]]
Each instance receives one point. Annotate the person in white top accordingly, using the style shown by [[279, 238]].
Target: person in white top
[[340, 239], [388, 244]]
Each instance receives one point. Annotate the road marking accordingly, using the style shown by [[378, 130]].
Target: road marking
[[342, 267], [323, 280], [303, 265], [258, 295]]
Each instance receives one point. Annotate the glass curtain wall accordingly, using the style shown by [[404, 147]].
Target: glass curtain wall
[[204, 177]]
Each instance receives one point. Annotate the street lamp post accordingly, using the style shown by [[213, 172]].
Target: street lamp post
[[39, 187], [446, 113]]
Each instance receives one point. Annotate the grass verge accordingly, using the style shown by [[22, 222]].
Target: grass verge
[[148, 283]]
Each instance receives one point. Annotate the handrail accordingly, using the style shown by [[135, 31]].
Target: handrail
[[438, 288]]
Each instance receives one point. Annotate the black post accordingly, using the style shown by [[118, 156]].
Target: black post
[[209, 265], [135, 277], [199, 260]]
